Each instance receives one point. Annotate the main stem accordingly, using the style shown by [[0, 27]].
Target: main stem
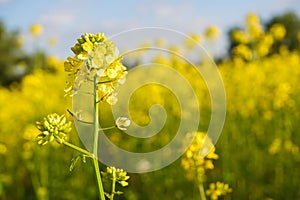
[[95, 147]]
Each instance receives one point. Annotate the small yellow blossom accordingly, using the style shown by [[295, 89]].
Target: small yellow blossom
[[278, 31], [160, 42], [275, 146], [36, 29], [253, 26], [192, 40], [252, 18], [52, 41], [117, 175], [3, 149], [239, 36], [193, 161], [242, 51], [218, 189], [212, 32]]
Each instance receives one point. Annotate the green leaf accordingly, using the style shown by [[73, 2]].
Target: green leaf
[[73, 162], [107, 195], [75, 159], [118, 192], [83, 158]]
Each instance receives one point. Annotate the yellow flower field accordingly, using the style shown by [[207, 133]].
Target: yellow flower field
[[256, 157]]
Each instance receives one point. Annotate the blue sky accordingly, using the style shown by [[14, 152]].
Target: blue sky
[[66, 20]]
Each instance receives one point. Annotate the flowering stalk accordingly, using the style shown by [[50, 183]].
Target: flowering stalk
[[113, 185], [95, 147], [202, 192], [115, 176], [96, 60], [196, 164]]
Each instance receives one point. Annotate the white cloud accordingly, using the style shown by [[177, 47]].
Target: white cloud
[[57, 18], [165, 11], [4, 1]]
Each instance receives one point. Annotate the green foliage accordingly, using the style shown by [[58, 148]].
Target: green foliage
[[12, 59], [14, 62]]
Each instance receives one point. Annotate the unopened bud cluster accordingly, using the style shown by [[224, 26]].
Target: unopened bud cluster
[[53, 127], [118, 175], [218, 189]]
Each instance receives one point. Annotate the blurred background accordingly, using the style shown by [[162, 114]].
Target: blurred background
[[255, 44]]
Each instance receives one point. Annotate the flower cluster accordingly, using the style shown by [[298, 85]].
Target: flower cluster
[[53, 127], [280, 146], [193, 161], [115, 176], [253, 42], [253, 26], [85, 45], [118, 175], [218, 189], [96, 57]]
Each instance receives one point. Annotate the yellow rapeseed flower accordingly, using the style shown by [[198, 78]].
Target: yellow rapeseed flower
[[52, 41], [3, 149], [212, 32], [253, 26], [218, 189], [192, 40], [36, 29], [242, 51], [252, 18], [199, 156], [239, 36], [278, 31]]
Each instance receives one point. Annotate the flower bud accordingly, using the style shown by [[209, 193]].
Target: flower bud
[[122, 123]]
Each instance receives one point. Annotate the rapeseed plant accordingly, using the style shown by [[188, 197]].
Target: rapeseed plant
[[96, 60]]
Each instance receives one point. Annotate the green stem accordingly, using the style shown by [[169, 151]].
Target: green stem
[[78, 148], [95, 147], [75, 117], [202, 192], [79, 120], [102, 82], [113, 187], [108, 128]]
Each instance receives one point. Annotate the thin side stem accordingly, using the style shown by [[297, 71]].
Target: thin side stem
[[108, 128], [78, 148], [95, 147], [76, 118]]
